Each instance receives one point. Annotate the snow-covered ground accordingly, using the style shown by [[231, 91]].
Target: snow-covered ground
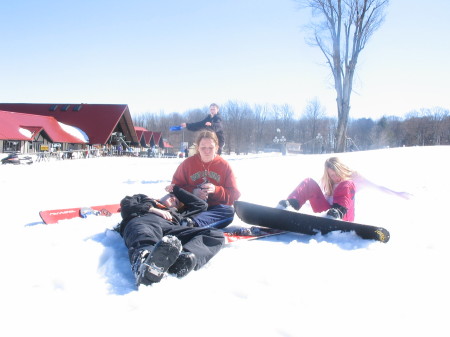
[[74, 278]]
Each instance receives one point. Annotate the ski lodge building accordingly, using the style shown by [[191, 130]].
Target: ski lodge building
[[32, 128], [150, 138]]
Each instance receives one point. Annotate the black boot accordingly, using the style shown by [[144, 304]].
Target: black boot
[[184, 264], [137, 262], [150, 267]]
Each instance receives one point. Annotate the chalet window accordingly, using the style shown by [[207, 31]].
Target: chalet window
[[77, 107], [11, 146], [53, 107], [65, 107]]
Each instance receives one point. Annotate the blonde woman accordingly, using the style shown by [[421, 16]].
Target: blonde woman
[[337, 195]]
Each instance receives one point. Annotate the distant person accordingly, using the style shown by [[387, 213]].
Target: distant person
[[159, 238], [337, 195], [211, 178], [211, 122]]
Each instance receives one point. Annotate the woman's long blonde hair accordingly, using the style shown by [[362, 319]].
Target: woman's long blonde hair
[[342, 170]]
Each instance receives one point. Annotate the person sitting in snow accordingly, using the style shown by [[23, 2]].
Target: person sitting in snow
[[211, 178], [161, 237], [337, 195]]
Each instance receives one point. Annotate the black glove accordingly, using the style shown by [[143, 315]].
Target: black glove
[[334, 213], [283, 204], [337, 211]]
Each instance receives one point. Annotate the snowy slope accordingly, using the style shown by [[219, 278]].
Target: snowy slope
[[74, 277]]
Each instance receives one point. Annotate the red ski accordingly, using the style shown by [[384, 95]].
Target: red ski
[[53, 216], [251, 233]]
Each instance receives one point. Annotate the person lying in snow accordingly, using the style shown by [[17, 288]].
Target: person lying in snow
[[161, 236]]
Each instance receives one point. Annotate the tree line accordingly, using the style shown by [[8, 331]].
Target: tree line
[[267, 128]]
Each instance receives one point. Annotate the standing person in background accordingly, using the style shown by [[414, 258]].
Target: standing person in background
[[337, 195], [212, 122], [209, 177]]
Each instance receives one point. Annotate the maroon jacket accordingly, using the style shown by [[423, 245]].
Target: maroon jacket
[[192, 172]]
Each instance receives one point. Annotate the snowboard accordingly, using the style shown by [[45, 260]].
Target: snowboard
[[304, 223], [53, 216]]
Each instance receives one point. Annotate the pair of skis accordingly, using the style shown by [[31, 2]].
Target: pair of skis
[[232, 234]]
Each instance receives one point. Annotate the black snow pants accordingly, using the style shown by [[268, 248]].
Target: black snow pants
[[145, 231]]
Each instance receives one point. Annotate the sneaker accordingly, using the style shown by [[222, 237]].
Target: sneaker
[[151, 266], [184, 264]]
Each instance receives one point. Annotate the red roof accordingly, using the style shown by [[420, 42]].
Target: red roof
[[35, 130], [12, 122], [139, 133], [157, 137], [150, 138], [148, 135], [143, 135], [9, 128], [98, 121]]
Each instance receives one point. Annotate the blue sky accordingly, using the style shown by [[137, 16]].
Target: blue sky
[[176, 55]]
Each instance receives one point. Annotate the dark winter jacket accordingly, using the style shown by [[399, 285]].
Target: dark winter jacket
[[139, 204], [216, 125]]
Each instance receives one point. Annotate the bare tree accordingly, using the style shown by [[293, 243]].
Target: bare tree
[[259, 126], [237, 130], [438, 116], [312, 114], [341, 32], [249, 129], [360, 131]]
